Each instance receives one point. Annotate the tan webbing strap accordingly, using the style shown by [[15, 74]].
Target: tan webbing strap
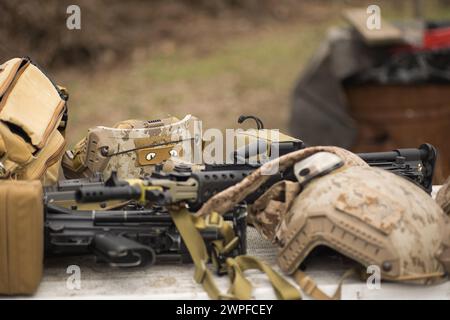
[[215, 220], [283, 289], [241, 288], [311, 289], [197, 249]]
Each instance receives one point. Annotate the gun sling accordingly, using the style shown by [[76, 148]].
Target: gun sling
[[240, 288]]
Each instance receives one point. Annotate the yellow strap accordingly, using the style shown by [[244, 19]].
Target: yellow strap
[[196, 246], [215, 220], [240, 288], [283, 289], [310, 288]]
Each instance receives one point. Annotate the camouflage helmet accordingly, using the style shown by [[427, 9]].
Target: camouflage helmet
[[367, 214], [132, 148], [443, 196]]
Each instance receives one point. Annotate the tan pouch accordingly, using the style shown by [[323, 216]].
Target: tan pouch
[[21, 236], [31, 112], [46, 164]]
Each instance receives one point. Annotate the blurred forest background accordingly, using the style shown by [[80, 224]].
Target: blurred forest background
[[216, 59]]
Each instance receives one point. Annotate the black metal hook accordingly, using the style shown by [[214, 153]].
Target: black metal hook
[[259, 123]]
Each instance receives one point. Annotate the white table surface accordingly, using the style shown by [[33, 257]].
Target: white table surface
[[176, 281]]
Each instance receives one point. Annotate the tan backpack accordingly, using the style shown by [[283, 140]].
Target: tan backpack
[[33, 115]]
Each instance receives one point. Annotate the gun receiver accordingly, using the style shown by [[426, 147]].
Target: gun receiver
[[414, 164], [127, 238], [133, 235]]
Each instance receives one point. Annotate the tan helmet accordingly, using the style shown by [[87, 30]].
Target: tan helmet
[[443, 196], [132, 148], [367, 214]]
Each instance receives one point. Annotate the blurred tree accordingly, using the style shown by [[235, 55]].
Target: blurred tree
[[110, 29]]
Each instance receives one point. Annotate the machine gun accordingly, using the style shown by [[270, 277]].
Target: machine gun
[[142, 232], [195, 188]]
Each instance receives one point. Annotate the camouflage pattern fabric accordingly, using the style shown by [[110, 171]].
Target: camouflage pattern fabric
[[443, 196], [227, 199], [133, 147]]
